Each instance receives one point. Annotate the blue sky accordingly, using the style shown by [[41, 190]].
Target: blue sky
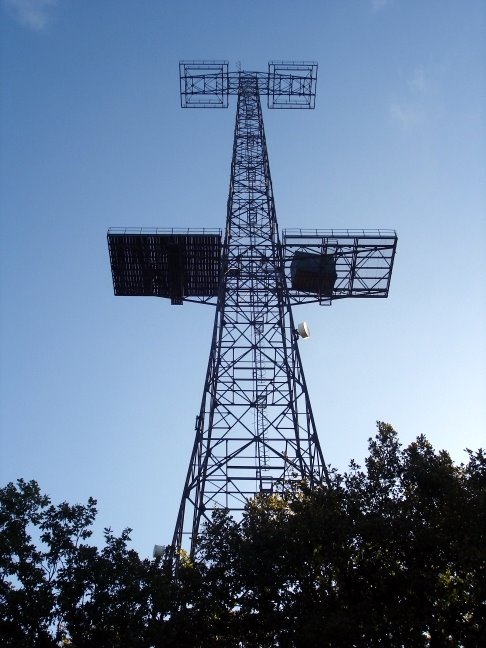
[[99, 394]]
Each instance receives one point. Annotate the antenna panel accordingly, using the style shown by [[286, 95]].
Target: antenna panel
[[323, 265], [204, 84], [170, 264], [292, 84]]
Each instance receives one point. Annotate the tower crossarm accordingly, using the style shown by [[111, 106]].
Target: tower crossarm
[[286, 84]]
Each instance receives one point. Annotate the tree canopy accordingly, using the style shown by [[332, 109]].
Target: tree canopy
[[391, 554]]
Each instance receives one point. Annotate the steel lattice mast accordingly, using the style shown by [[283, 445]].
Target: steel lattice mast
[[255, 430]]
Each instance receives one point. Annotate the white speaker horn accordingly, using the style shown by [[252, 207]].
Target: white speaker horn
[[303, 330]]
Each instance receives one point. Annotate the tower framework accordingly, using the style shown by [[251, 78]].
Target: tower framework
[[255, 430]]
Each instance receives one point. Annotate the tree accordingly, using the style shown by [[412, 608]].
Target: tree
[[391, 554], [56, 588]]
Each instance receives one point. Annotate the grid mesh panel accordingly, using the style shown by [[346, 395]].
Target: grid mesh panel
[[165, 265]]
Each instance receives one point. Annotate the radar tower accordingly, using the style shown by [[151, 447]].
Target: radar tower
[[255, 430]]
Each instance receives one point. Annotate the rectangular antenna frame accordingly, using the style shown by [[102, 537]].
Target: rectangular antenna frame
[[292, 84], [204, 84], [362, 266], [175, 264]]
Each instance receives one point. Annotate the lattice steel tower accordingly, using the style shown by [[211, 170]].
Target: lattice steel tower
[[255, 429]]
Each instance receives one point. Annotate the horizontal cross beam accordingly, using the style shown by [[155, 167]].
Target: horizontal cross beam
[[186, 265], [286, 84]]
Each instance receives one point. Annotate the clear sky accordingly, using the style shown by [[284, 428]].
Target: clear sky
[[99, 394]]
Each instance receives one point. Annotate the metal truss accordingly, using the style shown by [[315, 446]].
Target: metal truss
[[362, 260], [287, 84], [255, 429]]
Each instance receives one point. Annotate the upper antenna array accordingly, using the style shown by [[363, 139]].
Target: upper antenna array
[[286, 84]]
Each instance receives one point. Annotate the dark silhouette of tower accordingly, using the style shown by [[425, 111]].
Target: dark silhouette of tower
[[255, 430]]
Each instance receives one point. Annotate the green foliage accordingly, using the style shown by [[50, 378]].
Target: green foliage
[[391, 554], [58, 590]]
